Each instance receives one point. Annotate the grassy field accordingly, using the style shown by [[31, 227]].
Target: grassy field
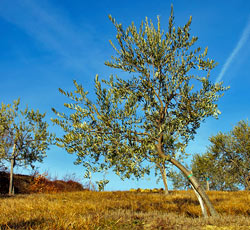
[[122, 210]]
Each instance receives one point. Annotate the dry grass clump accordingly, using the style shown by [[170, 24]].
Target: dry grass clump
[[122, 210], [232, 203]]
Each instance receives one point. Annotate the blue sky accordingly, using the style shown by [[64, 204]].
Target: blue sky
[[46, 44]]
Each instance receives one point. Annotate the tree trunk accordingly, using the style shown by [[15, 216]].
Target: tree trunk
[[12, 162], [208, 185], [203, 208], [247, 187], [196, 186], [164, 177]]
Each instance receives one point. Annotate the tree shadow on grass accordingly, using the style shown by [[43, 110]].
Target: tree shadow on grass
[[181, 201], [7, 196], [21, 225]]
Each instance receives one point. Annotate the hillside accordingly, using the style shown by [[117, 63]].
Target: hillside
[[21, 183], [25, 184]]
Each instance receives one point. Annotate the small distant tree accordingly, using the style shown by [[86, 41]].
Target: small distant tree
[[150, 118], [2, 167], [24, 137], [232, 150], [226, 162], [179, 180], [208, 170]]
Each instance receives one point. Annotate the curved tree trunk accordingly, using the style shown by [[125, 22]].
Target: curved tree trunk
[[196, 186], [164, 177], [203, 208]]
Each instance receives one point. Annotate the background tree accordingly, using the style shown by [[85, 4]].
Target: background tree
[[207, 169], [152, 116], [179, 180], [2, 167], [233, 150], [226, 162], [24, 137]]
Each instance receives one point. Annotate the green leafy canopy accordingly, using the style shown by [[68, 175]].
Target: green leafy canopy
[[25, 129], [149, 118]]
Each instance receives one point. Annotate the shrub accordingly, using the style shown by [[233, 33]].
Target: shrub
[[41, 184]]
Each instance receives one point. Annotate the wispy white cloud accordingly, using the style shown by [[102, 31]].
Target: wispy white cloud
[[53, 29], [244, 37]]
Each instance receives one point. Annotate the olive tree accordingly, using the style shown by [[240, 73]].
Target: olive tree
[[24, 137], [147, 119], [226, 162], [232, 151], [212, 172]]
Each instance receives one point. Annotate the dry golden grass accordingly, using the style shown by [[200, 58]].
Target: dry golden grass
[[123, 210]]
